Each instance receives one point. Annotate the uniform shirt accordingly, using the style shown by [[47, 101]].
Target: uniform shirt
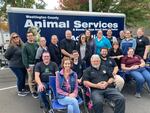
[[94, 75], [130, 61], [68, 45], [46, 70], [142, 42], [110, 63]]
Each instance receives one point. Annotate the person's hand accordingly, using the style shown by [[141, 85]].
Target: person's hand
[[135, 67], [102, 85], [29, 70], [41, 87], [72, 95]]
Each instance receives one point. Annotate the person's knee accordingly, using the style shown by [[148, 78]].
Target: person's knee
[[74, 101], [140, 80], [121, 99], [119, 81]]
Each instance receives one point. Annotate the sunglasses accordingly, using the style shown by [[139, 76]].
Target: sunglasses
[[15, 37]]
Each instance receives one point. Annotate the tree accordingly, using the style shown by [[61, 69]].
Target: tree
[[137, 11], [20, 3]]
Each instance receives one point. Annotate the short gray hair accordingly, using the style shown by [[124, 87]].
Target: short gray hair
[[95, 56]]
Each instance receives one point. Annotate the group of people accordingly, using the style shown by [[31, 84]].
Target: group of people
[[90, 62]]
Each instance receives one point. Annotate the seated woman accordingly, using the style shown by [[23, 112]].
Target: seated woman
[[134, 65], [116, 53], [67, 86]]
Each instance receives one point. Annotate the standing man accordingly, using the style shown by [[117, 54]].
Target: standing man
[[102, 86], [43, 70], [67, 45], [28, 57]]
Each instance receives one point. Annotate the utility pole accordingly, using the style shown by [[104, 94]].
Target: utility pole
[[90, 5]]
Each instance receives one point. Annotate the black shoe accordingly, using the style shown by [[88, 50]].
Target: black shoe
[[34, 95], [22, 94], [26, 91]]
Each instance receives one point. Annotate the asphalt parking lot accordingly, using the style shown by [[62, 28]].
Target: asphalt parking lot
[[10, 102]]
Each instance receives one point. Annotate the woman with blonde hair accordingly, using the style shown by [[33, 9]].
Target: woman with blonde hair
[[14, 57]]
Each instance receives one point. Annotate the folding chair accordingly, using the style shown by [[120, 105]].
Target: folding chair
[[54, 105]]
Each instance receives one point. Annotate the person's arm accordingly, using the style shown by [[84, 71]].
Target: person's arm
[[142, 63], [134, 44], [124, 68], [65, 53], [9, 52], [115, 71], [41, 87], [110, 81], [147, 49], [25, 57]]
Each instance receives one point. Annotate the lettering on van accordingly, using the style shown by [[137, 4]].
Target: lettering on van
[[77, 25], [47, 24], [103, 25]]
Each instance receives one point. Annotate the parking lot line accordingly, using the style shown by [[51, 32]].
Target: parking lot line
[[6, 88]]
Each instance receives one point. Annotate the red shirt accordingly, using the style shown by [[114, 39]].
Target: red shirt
[[130, 61]]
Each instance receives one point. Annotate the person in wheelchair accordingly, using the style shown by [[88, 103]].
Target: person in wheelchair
[[101, 81], [43, 70], [67, 86], [134, 66]]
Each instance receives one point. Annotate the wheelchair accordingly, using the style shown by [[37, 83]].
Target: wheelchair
[[55, 106]]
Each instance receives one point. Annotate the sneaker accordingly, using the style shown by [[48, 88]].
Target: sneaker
[[138, 95], [34, 95], [26, 91], [20, 93]]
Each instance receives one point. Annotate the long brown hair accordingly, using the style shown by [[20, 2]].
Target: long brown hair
[[12, 43]]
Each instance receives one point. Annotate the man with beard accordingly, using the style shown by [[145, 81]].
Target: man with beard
[[102, 86], [113, 68]]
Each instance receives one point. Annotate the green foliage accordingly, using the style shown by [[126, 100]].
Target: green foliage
[[137, 11], [20, 3]]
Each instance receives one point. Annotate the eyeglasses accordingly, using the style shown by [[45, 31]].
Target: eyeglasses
[[15, 37]]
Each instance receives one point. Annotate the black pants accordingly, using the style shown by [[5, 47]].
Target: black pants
[[111, 94]]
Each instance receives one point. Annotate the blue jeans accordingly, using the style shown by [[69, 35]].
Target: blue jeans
[[20, 75], [42, 95], [72, 103], [140, 75]]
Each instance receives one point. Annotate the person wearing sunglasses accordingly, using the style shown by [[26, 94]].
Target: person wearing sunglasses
[[14, 57]]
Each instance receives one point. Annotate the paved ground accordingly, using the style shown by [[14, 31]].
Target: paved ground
[[11, 103]]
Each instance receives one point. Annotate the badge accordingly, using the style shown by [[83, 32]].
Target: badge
[[104, 71], [140, 40]]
